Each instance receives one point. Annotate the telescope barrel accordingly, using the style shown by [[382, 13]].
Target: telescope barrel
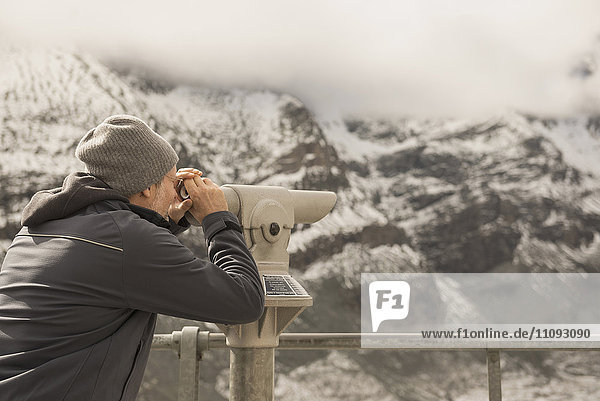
[[311, 206], [233, 201]]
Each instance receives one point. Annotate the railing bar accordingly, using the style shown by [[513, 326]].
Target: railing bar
[[190, 343], [315, 341]]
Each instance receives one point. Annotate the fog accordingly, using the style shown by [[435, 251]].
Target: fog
[[425, 58]]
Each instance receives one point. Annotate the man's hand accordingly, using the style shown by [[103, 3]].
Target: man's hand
[[206, 196], [178, 208]]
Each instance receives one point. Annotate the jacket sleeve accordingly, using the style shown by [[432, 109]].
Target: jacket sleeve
[[177, 228], [161, 275]]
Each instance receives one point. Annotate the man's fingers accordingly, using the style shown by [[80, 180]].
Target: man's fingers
[[183, 206], [209, 182], [199, 181], [186, 205], [185, 176], [178, 209], [189, 170], [188, 174]]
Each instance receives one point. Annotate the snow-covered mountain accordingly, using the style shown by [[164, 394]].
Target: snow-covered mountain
[[509, 193]]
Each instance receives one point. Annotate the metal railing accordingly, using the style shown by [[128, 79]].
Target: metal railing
[[190, 343]]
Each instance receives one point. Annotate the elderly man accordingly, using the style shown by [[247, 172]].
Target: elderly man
[[97, 259]]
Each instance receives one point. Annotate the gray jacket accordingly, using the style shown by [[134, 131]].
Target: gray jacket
[[83, 280]]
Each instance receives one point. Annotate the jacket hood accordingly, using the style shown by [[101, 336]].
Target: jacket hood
[[79, 190]]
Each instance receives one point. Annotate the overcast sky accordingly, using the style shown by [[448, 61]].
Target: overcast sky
[[398, 57]]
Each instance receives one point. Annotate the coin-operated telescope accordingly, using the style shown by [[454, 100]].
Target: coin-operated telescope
[[267, 215]]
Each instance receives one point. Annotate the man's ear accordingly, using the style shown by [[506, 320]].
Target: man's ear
[[146, 193], [141, 197]]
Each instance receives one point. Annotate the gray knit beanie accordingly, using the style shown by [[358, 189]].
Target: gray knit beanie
[[126, 154]]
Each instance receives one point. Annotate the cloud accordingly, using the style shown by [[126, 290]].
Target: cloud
[[433, 57]]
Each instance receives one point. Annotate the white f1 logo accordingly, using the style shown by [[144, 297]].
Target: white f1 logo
[[389, 300]]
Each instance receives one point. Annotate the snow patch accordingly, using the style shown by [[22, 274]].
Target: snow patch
[[579, 146]]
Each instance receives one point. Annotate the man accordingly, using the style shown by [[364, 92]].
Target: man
[[96, 260]]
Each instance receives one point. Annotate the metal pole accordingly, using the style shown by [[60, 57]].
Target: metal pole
[[494, 375], [252, 372]]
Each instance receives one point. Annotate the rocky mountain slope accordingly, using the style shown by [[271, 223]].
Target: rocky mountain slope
[[511, 193]]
